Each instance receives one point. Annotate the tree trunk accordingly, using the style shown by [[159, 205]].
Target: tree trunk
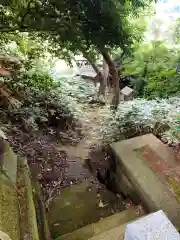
[[101, 77], [103, 82], [115, 78], [95, 67]]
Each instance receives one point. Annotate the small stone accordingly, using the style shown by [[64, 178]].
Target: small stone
[[56, 224]]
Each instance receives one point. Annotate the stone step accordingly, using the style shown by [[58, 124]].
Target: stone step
[[102, 226], [8, 160], [9, 205], [112, 234], [28, 222], [81, 205], [152, 170], [43, 227]]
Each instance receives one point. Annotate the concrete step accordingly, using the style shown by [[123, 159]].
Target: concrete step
[[9, 205], [43, 227], [81, 205], [28, 222], [153, 172], [8, 160], [17, 209], [102, 226], [112, 234]]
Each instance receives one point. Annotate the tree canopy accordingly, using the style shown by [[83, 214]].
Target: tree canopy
[[73, 23], [91, 27]]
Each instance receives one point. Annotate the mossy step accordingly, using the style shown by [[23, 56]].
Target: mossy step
[[9, 208], [112, 234], [78, 206], [8, 160], [9, 205], [28, 222], [101, 226], [43, 227]]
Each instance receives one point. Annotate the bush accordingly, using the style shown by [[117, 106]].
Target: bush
[[40, 81], [142, 116], [163, 84], [44, 103], [77, 88]]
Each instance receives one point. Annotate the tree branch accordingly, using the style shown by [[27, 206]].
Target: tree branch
[[24, 16]]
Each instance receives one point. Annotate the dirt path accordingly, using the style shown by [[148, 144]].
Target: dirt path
[[91, 120]]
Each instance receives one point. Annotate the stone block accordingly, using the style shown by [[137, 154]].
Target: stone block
[[150, 175], [151, 227], [8, 160], [101, 226]]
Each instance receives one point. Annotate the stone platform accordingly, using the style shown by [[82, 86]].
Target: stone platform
[[153, 226], [153, 172]]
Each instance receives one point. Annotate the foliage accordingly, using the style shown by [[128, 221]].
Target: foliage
[[47, 100], [177, 31], [30, 49], [163, 84], [141, 116], [176, 127], [72, 25], [150, 57], [38, 81], [151, 70], [77, 88]]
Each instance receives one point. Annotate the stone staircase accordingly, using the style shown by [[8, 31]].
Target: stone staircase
[[88, 210], [85, 210], [112, 226], [82, 211], [18, 219]]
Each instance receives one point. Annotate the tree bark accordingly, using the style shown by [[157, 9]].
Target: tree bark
[[100, 77], [115, 78], [95, 67], [103, 82]]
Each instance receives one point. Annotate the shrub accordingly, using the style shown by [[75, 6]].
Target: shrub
[[163, 84], [142, 116], [44, 103]]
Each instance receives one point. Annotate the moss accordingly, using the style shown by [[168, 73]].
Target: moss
[[43, 227], [101, 226], [176, 188], [9, 210], [28, 215], [8, 160], [79, 205]]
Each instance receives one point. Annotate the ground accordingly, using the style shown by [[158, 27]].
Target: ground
[[58, 164]]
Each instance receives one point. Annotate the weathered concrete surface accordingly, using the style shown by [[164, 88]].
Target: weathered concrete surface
[[113, 234], [42, 223], [153, 226], [8, 160], [9, 206], [154, 193], [102, 226], [28, 222], [81, 205], [88, 72], [9, 210]]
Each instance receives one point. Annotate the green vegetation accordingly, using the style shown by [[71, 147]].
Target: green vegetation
[[71, 27], [153, 70], [29, 32], [45, 113]]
